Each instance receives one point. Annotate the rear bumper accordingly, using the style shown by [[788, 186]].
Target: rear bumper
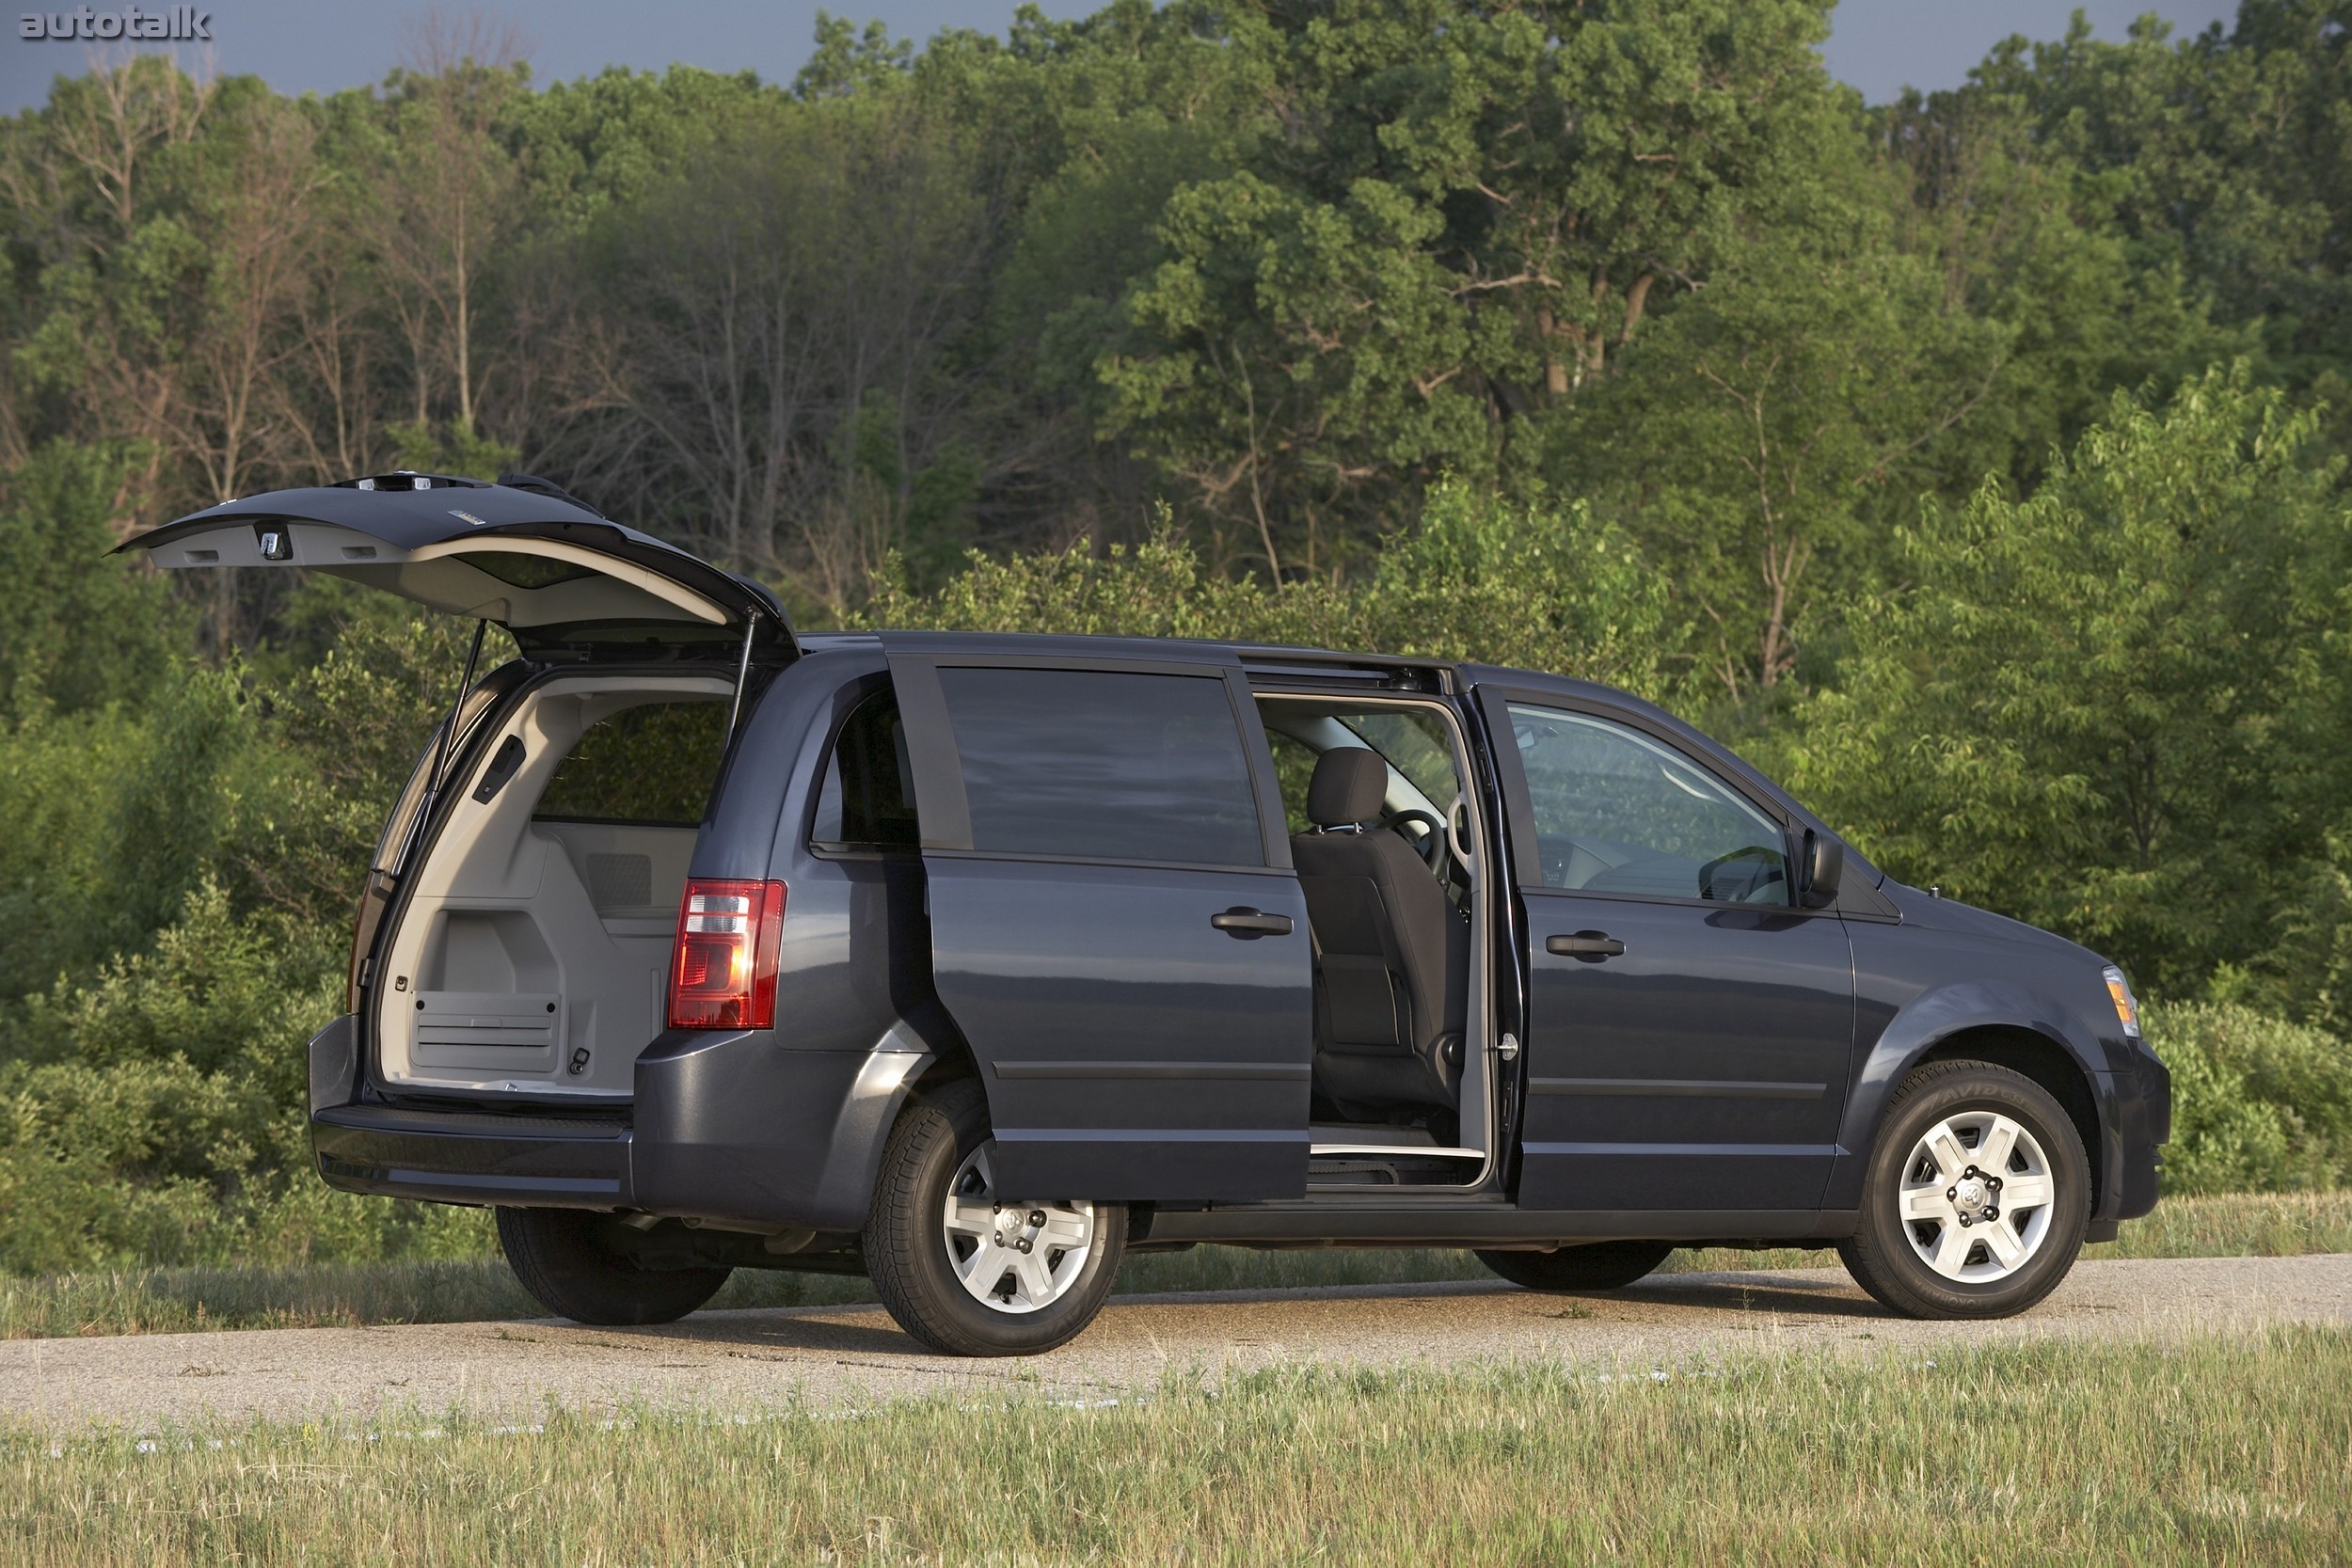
[[455, 1157], [725, 1128]]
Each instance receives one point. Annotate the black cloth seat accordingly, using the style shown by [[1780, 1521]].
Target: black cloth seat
[[1392, 952]]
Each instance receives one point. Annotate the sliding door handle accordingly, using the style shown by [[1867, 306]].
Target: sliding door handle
[[1248, 925], [1585, 944]]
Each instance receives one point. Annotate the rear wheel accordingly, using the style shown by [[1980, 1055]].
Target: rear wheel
[[969, 1269], [1594, 1266], [564, 1260], [1976, 1197]]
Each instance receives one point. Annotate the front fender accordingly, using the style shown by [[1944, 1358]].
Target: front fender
[[1932, 1019]]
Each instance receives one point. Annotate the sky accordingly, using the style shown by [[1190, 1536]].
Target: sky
[[1880, 46]]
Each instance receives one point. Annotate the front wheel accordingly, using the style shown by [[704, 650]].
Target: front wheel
[[1594, 1266], [1976, 1198], [972, 1270], [562, 1259]]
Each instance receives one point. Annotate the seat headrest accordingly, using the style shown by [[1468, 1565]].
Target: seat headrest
[[1349, 785]]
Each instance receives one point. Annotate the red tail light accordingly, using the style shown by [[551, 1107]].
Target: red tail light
[[723, 973]]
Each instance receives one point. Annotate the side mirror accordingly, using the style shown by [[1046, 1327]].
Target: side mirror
[[1823, 867]]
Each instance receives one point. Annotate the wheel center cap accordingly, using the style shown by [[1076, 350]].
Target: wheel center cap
[[1971, 1193]]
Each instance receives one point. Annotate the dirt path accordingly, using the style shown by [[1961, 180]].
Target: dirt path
[[852, 1356]]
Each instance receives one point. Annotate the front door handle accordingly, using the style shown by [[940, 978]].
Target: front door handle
[[1248, 925], [1585, 944]]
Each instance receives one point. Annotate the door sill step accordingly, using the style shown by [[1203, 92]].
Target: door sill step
[[1411, 1151]]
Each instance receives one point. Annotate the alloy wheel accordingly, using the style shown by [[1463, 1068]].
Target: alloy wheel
[[1976, 1197], [1012, 1256]]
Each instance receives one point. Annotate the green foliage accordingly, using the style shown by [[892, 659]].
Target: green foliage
[[1762, 428], [109, 818], [1455, 218], [344, 735], [78, 629], [456, 447], [1609, 339], [2114, 708], [154, 1111], [2260, 1104], [1539, 586], [181, 881]]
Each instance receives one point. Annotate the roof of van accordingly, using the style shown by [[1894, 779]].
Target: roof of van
[[1265, 657], [1078, 644]]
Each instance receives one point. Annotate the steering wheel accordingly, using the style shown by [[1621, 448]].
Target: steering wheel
[[1431, 845], [1755, 854]]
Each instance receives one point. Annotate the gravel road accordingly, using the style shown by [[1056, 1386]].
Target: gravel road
[[855, 1355]]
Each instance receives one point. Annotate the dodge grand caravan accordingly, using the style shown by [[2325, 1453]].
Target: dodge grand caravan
[[975, 962]]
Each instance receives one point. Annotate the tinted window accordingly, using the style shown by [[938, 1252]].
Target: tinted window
[[1413, 740], [1116, 766], [867, 799], [1616, 812], [653, 763]]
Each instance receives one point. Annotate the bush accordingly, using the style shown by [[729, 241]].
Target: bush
[[2259, 1104], [1536, 585], [155, 1114]]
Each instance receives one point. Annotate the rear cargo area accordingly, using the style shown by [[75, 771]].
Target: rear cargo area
[[532, 953]]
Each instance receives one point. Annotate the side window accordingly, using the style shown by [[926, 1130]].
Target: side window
[[1616, 812], [1104, 765], [653, 764], [866, 801], [1294, 770]]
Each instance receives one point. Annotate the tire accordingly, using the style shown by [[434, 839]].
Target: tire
[[2036, 1189], [1593, 1266], [920, 1258], [558, 1257]]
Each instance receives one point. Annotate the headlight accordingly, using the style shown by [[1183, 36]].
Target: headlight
[[2126, 1005]]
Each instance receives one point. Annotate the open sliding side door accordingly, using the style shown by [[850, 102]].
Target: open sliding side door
[[1115, 924]]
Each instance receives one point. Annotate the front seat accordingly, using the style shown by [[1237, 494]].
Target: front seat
[[1392, 953]]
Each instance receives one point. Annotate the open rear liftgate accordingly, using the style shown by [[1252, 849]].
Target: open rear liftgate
[[567, 585]]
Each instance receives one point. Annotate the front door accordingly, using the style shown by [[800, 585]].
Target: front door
[[1115, 924], [1691, 1028]]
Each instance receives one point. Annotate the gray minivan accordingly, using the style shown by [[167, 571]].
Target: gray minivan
[[972, 963]]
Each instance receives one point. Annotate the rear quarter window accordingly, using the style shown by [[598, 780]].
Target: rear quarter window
[[652, 764], [866, 801]]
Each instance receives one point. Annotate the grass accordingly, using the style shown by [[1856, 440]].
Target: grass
[[2124, 1452], [159, 1301]]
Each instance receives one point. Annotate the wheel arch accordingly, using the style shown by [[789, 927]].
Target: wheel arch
[[2033, 1056], [2004, 1026], [914, 1058]]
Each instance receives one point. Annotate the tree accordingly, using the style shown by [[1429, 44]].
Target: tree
[[1456, 216], [2227, 155], [2116, 708], [79, 629], [444, 201], [1540, 586], [1756, 434], [771, 369]]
